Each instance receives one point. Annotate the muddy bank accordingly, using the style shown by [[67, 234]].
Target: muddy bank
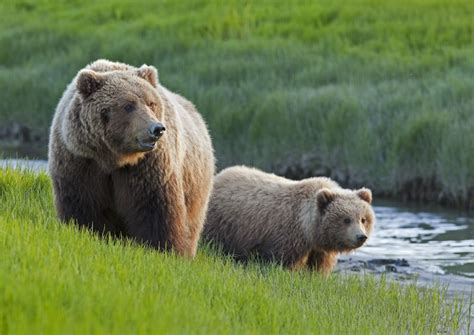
[[420, 189]]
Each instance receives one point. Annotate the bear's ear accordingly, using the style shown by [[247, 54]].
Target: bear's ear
[[365, 194], [88, 82], [149, 73], [324, 197]]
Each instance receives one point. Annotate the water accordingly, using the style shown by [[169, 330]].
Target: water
[[434, 240], [34, 165]]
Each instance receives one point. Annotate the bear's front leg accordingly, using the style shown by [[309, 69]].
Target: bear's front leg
[[196, 200], [322, 261], [82, 193], [153, 208]]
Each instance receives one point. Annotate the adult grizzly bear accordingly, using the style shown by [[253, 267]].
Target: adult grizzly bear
[[128, 157], [295, 223]]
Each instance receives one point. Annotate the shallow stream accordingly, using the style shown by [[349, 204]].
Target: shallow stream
[[436, 240]]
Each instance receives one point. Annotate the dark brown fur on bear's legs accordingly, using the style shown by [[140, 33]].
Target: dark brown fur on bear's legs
[[126, 202], [85, 197], [143, 200]]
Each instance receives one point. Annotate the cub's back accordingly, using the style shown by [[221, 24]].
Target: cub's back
[[245, 190], [250, 180], [249, 208]]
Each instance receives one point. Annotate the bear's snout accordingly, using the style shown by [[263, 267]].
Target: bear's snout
[[147, 140], [156, 130], [361, 238]]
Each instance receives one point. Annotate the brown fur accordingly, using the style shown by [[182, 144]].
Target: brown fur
[[102, 176], [297, 223]]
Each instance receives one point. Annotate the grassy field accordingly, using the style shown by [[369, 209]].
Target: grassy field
[[380, 92], [55, 279]]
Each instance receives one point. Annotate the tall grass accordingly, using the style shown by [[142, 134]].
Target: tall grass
[[380, 92], [56, 279]]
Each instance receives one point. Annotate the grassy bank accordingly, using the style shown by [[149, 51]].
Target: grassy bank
[[380, 93], [56, 279]]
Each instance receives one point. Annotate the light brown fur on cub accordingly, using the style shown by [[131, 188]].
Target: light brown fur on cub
[[299, 224]]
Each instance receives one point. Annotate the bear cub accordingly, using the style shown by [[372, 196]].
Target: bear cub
[[298, 224]]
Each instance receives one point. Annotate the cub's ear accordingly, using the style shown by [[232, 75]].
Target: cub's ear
[[88, 82], [324, 197], [149, 73], [365, 194]]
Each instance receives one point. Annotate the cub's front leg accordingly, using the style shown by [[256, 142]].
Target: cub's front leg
[[322, 261]]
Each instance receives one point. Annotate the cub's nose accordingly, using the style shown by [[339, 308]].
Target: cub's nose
[[156, 130], [361, 238]]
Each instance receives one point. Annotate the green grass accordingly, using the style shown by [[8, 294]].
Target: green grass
[[380, 92], [57, 279]]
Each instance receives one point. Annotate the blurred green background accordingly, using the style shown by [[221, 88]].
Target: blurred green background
[[375, 93]]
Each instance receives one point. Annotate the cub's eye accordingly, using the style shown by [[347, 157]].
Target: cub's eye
[[129, 107], [347, 220], [152, 105], [363, 220]]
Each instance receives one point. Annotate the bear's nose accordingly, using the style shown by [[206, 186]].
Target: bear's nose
[[361, 238], [156, 130]]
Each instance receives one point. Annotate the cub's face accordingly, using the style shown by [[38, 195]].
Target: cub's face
[[347, 218], [122, 111]]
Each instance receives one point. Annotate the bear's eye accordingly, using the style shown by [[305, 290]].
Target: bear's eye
[[347, 220], [129, 107], [363, 220], [152, 105]]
